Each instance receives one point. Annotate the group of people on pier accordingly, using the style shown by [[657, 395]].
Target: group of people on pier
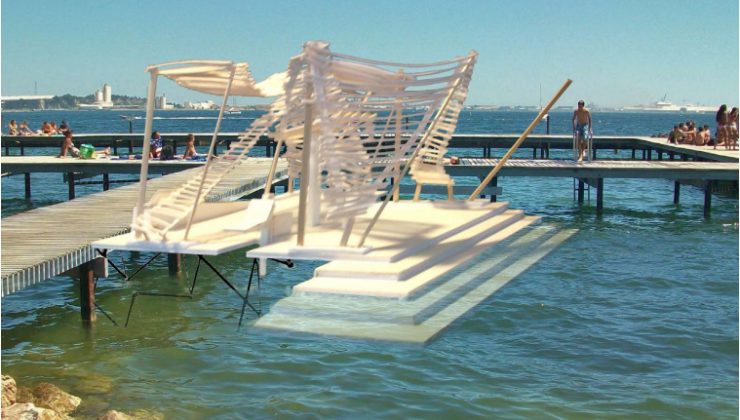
[[47, 129], [726, 134]]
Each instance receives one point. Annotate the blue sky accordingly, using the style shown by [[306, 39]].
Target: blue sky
[[617, 53]]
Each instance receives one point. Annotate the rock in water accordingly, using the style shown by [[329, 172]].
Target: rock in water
[[8, 392], [116, 415], [27, 411], [49, 396]]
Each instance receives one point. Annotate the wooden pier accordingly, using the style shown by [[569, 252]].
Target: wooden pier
[[46, 242], [641, 147]]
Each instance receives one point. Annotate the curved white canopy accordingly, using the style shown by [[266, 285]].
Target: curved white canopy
[[213, 78]]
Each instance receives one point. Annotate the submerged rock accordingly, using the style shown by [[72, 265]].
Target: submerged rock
[[48, 396], [8, 392], [136, 415], [116, 415], [28, 411]]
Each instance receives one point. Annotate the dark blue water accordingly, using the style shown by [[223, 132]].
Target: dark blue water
[[635, 316]]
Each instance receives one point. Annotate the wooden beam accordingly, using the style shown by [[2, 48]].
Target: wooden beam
[[87, 292]]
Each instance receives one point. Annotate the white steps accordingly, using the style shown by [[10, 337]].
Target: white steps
[[436, 265], [420, 320]]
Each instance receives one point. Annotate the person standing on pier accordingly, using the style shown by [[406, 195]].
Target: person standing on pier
[[581, 122]]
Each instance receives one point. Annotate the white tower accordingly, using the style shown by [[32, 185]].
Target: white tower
[[98, 96], [107, 93]]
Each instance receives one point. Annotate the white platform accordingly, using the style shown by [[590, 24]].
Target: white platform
[[421, 320]]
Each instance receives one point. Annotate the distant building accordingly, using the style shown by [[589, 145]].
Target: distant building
[[187, 105], [161, 103], [107, 94], [103, 99]]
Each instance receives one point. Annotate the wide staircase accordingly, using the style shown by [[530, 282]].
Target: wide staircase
[[172, 210], [412, 297]]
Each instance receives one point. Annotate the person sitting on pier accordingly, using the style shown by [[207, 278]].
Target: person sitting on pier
[[25, 131], [155, 145], [676, 135], [689, 133], [13, 128], [701, 139], [63, 127], [45, 129], [54, 129], [190, 149], [581, 121], [68, 146]]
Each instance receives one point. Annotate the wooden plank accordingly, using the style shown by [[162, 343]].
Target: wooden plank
[[45, 242]]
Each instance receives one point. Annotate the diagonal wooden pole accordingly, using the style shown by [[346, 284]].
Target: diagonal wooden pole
[[519, 142]]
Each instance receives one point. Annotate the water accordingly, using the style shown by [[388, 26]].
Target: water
[[635, 316]]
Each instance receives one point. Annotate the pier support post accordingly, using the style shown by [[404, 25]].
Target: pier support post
[[534, 152], [649, 154], [633, 153], [494, 183], [676, 192], [660, 155], [27, 177], [174, 263], [87, 292], [708, 197], [71, 185], [106, 182], [671, 156], [580, 191], [599, 195], [593, 153]]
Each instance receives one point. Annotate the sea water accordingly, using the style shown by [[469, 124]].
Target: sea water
[[634, 316]]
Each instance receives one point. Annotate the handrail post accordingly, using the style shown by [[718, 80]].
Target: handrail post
[[209, 159], [151, 98], [305, 167], [520, 141], [273, 168]]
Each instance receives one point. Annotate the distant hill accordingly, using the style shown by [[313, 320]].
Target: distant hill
[[71, 102]]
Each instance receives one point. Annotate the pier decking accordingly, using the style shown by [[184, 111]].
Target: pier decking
[[45, 242], [537, 142]]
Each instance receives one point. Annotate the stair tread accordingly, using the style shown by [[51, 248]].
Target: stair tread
[[380, 269]]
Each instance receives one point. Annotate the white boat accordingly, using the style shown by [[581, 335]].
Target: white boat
[[233, 111], [667, 106]]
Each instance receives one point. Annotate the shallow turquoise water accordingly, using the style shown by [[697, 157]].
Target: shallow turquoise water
[[635, 316]]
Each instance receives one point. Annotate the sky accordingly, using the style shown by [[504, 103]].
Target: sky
[[618, 53]]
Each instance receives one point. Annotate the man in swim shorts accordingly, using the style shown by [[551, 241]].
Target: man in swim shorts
[[581, 121]]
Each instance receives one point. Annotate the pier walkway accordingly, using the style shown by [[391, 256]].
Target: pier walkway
[[539, 144], [46, 242]]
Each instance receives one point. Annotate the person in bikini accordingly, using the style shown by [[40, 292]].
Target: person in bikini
[[722, 120], [25, 131], [13, 128], [733, 128], [581, 122]]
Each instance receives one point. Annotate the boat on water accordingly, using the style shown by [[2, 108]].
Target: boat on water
[[664, 105], [233, 111]]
